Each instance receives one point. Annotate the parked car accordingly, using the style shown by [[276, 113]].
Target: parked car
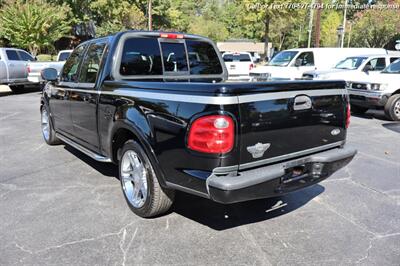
[[354, 68], [238, 64], [35, 68], [13, 67], [291, 64], [177, 125], [381, 91]]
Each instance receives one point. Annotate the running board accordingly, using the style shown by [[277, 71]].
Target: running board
[[93, 155]]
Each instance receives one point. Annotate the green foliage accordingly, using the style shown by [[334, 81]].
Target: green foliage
[[212, 29], [33, 24], [45, 57], [375, 28], [329, 24]]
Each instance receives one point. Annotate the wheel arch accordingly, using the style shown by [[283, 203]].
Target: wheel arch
[[396, 92], [124, 131]]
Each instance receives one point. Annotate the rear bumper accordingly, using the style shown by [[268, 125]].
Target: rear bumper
[[278, 179]]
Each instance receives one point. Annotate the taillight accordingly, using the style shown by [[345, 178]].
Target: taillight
[[28, 68], [348, 114], [251, 66], [171, 35], [212, 134]]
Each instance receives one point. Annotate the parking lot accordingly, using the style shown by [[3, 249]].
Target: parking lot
[[60, 207]]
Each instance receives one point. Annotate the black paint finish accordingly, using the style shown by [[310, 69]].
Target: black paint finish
[[95, 116]]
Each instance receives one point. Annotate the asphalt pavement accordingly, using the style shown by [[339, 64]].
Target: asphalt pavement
[[59, 207]]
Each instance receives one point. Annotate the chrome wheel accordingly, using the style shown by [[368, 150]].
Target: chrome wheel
[[45, 124], [134, 178], [396, 108]]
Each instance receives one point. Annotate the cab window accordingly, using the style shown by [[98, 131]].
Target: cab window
[[12, 55], [141, 56], [174, 57], [306, 59], [392, 59], [377, 64], [25, 56], [91, 64], [71, 66]]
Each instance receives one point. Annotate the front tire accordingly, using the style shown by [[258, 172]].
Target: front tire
[[392, 108], [48, 132], [139, 183]]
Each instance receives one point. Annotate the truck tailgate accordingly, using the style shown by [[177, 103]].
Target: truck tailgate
[[278, 124]]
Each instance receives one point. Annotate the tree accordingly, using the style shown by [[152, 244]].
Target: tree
[[329, 25], [375, 28], [212, 29], [33, 24]]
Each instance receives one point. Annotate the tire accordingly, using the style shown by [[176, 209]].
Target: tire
[[48, 132], [392, 108], [139, 183], [358, 109]]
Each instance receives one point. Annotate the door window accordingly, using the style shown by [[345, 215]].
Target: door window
[[307, 59], [174, 56], [377, 64], [392, 59], [71, 67], [25, 56], [12, 55], [91, 63]]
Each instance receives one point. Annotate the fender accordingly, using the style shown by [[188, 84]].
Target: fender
[[142, 139]]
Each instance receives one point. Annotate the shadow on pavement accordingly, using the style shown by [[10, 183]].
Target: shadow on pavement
[[221, 217], [372, 114], [107, 169], [395, 126]]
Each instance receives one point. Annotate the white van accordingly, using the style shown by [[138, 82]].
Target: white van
[[291, 64]]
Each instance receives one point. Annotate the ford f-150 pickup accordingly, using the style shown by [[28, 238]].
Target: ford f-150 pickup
[[173, 122]]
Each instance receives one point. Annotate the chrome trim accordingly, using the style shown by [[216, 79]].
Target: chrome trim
[[187, 190], [82, 149], [370, 94], [215, 100], [291, 155], [228, 169]]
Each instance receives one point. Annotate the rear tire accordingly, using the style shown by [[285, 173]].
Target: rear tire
[[358, 109], [48, 132], [392, 108], [139, 183]]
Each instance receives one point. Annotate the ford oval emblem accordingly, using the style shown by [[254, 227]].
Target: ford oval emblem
[[335, 132]]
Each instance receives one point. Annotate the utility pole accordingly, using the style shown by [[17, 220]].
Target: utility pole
[[344, 23], [310, 23], [318, 24], [150, 18]]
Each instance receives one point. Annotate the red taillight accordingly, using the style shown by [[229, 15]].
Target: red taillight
[[212, 134], [348, 114], [28, 68], [251, 66], [171, 35]]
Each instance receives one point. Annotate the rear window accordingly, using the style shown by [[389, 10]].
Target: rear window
[[203, 58], [146, 56], [237, 58], [141, 56], [12, 55], [64, 56], [25, 56], [174, 56]]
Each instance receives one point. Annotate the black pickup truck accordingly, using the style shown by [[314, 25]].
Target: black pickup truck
[[160, 106]]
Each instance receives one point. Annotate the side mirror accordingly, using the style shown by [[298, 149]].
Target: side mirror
[[368, 68], [49, 74], [298, 62]]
